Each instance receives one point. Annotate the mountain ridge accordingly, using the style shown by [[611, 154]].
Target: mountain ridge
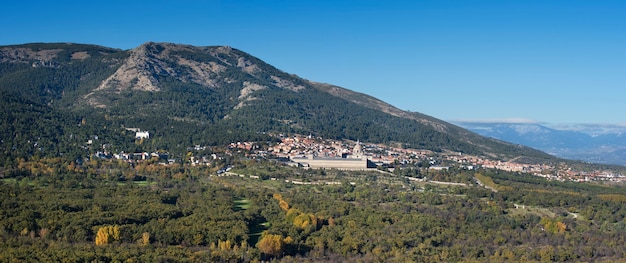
[[190, 95], [590, 143]]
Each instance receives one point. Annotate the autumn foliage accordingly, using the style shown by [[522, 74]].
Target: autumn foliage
[[553, 226], [281, 202], [107, 234], [271, 244], [299, 219], [617, 198]]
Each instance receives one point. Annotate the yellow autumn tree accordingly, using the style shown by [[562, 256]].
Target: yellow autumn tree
[[281, 202], [224, 245], [292, 213], [102, 237], [304, 220], [271, 244], [283, 205], [553, 226], [331, 221], [145, 238], [561, 227], [107, 234]]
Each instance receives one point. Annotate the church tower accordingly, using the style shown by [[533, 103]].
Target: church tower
[[357, 152]]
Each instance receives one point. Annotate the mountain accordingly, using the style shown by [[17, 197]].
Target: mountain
[[187, 95], [591, 143]]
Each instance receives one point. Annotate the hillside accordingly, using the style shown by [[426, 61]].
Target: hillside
[[186, 95]]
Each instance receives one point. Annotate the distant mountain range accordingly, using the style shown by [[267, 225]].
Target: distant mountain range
[[588, 142], [58, 96]]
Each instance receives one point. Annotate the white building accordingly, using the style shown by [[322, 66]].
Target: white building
[[142, 135]]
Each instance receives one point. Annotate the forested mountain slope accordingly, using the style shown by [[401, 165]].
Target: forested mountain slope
[[187, 95]]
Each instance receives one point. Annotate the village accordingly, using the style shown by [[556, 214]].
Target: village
[[320, 153], [300, 149]]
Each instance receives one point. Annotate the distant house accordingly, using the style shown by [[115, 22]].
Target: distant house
[[139, 134], [141, 156], [142, 135]]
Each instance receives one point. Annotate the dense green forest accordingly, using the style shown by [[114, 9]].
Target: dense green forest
[[31, 130], [53, 210]]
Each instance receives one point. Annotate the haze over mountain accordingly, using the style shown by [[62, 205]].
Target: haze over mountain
[[187, 95], [588, 142]]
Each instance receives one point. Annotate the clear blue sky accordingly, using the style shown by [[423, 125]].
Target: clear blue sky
[[557, 61]]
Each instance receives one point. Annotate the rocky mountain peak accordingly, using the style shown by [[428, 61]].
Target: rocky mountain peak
[[145, 63]]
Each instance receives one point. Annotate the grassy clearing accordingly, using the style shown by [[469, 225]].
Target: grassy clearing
[[144, 183], [257, 227], [256, 230], [531, 210], [243, 204], [24, 181], [138, 183], [9, 180]]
